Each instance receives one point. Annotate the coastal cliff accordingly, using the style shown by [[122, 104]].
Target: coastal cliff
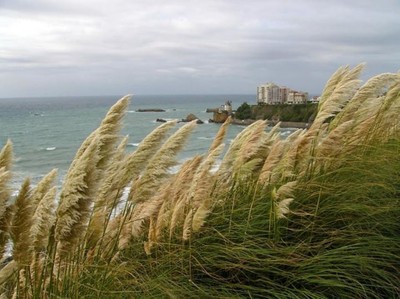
[[285, 113]]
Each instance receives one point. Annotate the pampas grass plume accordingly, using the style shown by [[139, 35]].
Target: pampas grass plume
[[21, 225], [76, 197]]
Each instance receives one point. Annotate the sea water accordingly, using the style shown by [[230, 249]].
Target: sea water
[[47, 132]]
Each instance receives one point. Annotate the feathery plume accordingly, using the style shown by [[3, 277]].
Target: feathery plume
[[271, 161], [282, 199], [250, 145], [43, 220], [158, 165], [250, 157], [337, 95], [5, 194], [6, 156], [200, 215], [221, 134], [142, 212], [42, 188], [21, 225], [106, 133], [199, 192], [76, 197], [387, 115], [102, 141], [332, 83], [180, 192], [187, 225], [170, 193], [143, 190], [229, 160], [375, 87], [281, 162], [108, 192], [267, 140]]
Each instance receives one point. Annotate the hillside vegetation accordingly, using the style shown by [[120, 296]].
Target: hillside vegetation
[[284, 112], [315, 215], [293, 113]]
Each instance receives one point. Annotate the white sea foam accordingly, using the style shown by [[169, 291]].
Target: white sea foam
[[285, 133], [133, 144], [205, 138]]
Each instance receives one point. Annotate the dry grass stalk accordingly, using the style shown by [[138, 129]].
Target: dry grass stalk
[[286, 168], [120, 174], [106, 194], [180, 191], [199, 191], [172, 190], [302, 154], [133, 227], [143, 190], [267, 140], [254, 166]]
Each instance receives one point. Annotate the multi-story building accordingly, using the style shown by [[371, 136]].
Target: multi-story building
[[270, 93], [273, 94]]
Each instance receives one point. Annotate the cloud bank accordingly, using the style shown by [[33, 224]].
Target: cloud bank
[[71, 47]]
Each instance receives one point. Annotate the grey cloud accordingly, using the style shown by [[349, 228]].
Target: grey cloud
[[187, 46]]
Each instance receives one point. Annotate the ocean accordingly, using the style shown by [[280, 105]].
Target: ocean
[[46, 132]]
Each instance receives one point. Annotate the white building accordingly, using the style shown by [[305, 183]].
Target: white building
[[296, 97], [273, 94]]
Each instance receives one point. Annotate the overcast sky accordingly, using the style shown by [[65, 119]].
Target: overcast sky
[[100, 47]]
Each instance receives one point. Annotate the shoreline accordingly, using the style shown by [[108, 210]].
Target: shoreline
[[284, 124]]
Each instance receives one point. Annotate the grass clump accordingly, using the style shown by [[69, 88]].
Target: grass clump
[[312, 216]]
